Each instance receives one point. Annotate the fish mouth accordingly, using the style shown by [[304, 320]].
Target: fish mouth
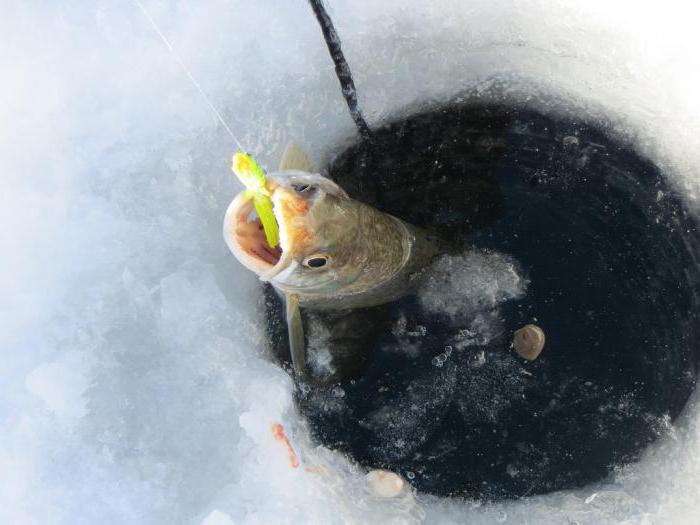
[[245, 236]]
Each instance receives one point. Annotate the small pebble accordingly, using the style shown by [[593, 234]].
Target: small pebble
[[385, 484], [528, 341], [570, 140]]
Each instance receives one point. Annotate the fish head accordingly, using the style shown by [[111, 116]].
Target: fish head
[[318, 230]]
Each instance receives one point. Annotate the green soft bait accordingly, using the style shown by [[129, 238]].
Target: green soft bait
[[253, 178]]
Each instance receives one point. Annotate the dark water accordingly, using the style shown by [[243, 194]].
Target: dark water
[[610, 256]]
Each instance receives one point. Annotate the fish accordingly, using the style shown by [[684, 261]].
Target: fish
[[334, 252]]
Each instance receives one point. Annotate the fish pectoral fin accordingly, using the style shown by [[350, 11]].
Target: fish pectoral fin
[[295, 158], [295, 330]]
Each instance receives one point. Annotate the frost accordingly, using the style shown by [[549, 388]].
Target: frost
[[461, 285]]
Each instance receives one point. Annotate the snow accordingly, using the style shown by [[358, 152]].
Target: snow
[[134, 387]]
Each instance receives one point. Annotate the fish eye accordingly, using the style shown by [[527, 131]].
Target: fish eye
[[316, 261], [301, 188]]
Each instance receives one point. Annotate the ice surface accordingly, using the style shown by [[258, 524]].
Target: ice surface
[[133, 386], [218, 518]]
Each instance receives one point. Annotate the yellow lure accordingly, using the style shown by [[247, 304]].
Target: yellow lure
[[253, 178]]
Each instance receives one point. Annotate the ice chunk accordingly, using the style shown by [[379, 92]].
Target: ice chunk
[[468, 288], [458, 285]]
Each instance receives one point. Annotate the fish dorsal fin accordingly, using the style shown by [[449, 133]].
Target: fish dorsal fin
[[295, 158]]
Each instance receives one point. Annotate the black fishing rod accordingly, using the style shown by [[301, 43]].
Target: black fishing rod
[[342, 69]]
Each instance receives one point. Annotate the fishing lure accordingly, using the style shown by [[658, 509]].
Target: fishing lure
[[253, 178]]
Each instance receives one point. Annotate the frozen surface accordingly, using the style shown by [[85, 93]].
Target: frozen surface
[[133, 386]]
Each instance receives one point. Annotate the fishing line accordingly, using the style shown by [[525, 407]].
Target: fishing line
[[342, 69], [187, 72]]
